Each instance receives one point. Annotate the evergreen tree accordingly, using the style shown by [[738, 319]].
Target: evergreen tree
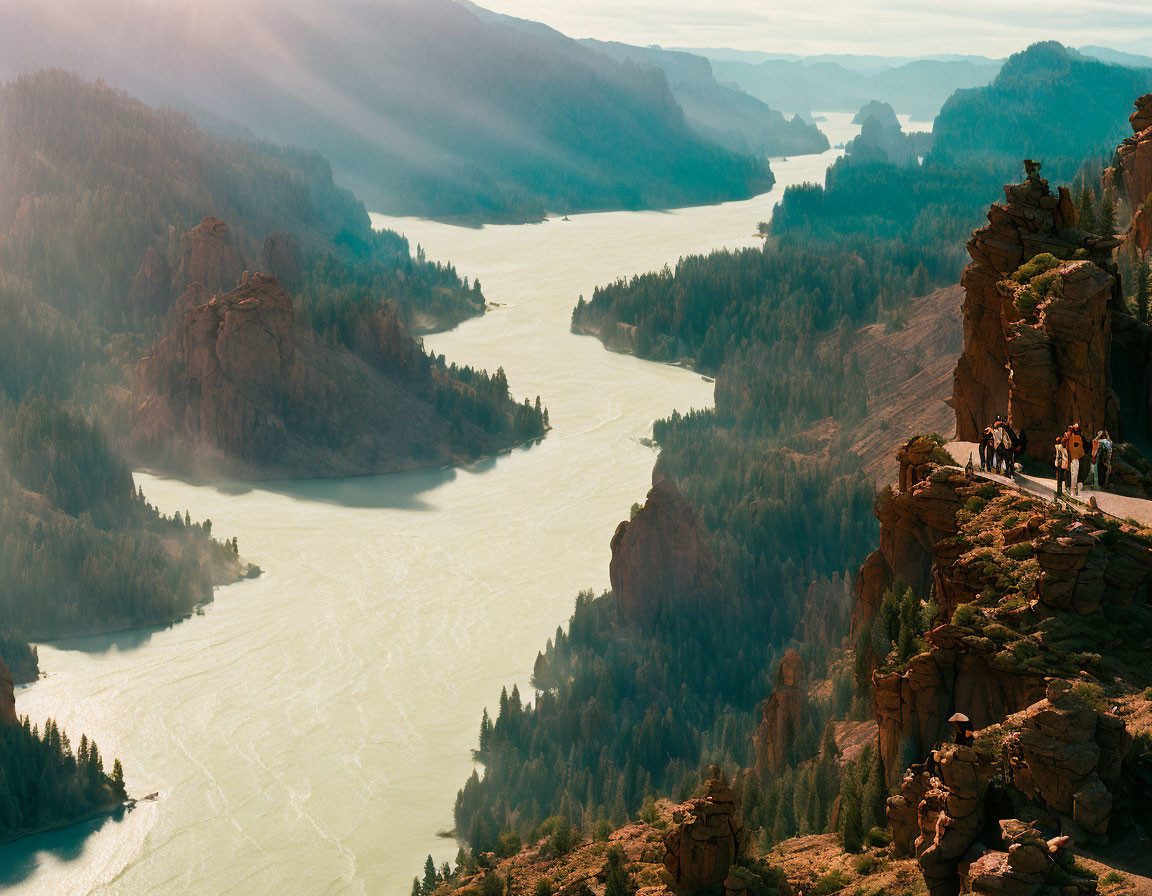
[[1086, 209], [616, 882], [850, 807], [1106, 214], [429, 876], [1142, 272]]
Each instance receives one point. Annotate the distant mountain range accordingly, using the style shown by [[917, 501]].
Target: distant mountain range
[[423, 106]]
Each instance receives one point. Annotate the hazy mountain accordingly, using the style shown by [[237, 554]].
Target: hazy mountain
[[721, 112], [1117, 57], [421, 105], [917, 88], [858, 62], [1048, 103]]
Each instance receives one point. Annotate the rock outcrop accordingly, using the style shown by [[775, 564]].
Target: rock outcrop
[[659, 557], [1132, 174], [705, 839], [1028, 865], [237, 388], [1012, 563], [781, 716], [207, 254], [1031, 222], [7, 697], [950, 817], [1067, 758], [1058, 354]]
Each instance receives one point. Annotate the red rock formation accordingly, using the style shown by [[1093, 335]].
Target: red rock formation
[[1058, 356], [1077, 567], [950, 817], [7, 697], [1067, 758], [659, 557], [207, 254], [1030, 865], [1032, 221], [781, 716], [1132, 174], [236, 387], [705, 840]]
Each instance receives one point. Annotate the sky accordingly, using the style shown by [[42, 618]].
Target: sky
[[884, 27]]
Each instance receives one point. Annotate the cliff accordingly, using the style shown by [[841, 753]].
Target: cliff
[[659, 557], [236, 387], [7, 697], [1132, 174], [1022, 590], [781, 716], [1018, 354]]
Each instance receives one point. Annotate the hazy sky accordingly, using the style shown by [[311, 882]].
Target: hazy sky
[[893, 27]]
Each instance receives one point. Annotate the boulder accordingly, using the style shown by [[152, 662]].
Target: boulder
[[659, 557], [1067, 758], [1029, 864]]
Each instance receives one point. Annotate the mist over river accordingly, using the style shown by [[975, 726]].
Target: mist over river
[[308, 732]]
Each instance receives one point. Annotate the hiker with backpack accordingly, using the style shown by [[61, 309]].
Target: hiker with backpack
[[1102, 457]]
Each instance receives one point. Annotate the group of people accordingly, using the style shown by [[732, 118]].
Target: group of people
[[1000, 447], [1070, 452]]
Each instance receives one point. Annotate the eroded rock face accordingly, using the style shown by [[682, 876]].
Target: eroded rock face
[[782, 715], [207, 254], [1030, 222], [7, 697], [219, 379], [1028, 864], [705, 840], [950, 816], [1132, 173], [659, 557], [1067, 758], [1058, 356], [151, 287]]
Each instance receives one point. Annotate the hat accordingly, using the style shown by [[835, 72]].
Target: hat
[[1100, 434], [959, 717], [1076, 427]]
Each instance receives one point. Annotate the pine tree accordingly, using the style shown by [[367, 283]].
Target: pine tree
[[1142, 272], [1086, 210], [850, 813], [1106, 214], [429, 876], [616, 881]]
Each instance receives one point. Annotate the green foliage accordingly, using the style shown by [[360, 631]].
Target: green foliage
[[43, 783], [964, 615], [617, 881], [1020, 551], [830, 882]]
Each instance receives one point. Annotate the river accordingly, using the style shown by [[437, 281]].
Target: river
[[308, 732]]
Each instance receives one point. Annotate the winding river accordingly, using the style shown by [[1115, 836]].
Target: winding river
[[308, 732]]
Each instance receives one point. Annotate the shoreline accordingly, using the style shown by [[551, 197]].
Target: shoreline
[[107, 812]]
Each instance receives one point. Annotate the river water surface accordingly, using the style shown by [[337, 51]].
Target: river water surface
[[308, 732]]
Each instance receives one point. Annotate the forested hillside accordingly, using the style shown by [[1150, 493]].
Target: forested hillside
[[720, 112], [95, 179], [1047, 103], [422, 106]]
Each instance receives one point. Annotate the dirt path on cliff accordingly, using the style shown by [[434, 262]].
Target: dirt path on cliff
[[1120, 506]]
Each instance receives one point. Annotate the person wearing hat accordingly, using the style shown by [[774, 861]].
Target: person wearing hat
[[963, 726], [1061, 465], [1074, 444]]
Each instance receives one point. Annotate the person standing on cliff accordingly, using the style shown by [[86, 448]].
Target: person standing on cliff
[[987, 453], [1102, 457], [1061, 465], [1074, 444], [1004, 440]]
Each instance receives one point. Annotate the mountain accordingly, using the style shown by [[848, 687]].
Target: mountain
[[918, 87], [1060, 108], [719, 112], [1117, 57], [422, 106]]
